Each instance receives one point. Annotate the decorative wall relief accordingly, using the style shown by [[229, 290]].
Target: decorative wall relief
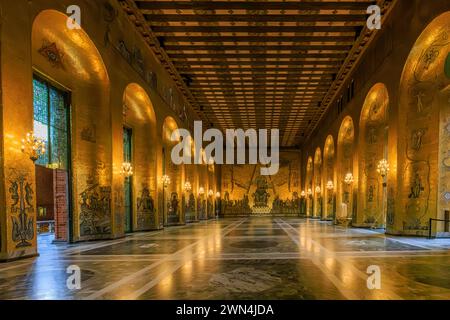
[[95, 206], [173, 209], [52, 53], [290, 207], [89, 133], [190, 208], [109, 16], [248, 193], [145, 210], [119, 212], [21, 194], [261, 196]]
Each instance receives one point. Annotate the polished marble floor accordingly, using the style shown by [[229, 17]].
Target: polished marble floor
[[249, 258]]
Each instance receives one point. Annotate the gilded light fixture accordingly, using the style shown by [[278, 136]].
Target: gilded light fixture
[[349, 179], [218, 195], [33, 146], [127, 169], [383, 168], [303, 194], [330, 185], [187, 187], [201, 191], [210, 193], [310, 192], [165, 181], [318, 190]]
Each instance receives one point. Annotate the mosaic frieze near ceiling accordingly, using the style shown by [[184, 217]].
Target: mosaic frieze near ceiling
[[258, 64]]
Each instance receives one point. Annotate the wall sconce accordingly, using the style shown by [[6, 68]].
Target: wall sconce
[[330, 185], [34, 147], [318, 190], [210, 193], [303, 194], [310, 192], [127, 169], [349, 179], [187, 187], [218, 195], [383, 170], [201, 191], [165, 181]]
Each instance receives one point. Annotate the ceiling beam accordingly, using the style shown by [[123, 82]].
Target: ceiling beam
[[293, 38], [162, 30], [257, 47], [257, 55], [256, 5], [308, 17]]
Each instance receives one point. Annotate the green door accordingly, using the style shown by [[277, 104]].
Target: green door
[[128, 190]]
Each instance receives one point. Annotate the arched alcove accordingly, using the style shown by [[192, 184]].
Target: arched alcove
[[173, 192], [309, 187], [373, 144], [345, 173], [424, 135], [317, 187], [140, 123], [329, 179], [68, 65]]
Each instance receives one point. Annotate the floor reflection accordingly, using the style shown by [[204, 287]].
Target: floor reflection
[[251, 258]]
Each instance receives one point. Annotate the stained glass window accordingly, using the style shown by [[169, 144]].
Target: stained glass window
[[51, 123]]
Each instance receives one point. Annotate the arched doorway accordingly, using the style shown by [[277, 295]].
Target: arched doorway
[[309, 187], [172, 209], [424, 135], [329, 180], [190, 190], [373, 143], [139, 151], [72, 115], [345, 176], [317, 188], [202, 192]]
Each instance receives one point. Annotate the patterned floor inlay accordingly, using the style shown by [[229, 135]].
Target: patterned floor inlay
[[246, 258]]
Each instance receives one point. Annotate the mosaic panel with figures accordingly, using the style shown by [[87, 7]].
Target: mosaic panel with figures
[[246, 192]]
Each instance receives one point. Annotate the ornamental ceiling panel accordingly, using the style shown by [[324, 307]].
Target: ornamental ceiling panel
[[257, 64]]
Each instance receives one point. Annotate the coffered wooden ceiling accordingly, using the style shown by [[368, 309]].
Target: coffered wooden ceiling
[[257, 64]]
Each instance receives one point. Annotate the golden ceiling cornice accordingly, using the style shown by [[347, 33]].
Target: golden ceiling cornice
[[257, 64], [136, 17], [360, 46]]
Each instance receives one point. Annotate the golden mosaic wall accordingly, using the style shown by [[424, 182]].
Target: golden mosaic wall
[[424, 136], [345, 153], [246, 192], [329, 176], [373, 135]]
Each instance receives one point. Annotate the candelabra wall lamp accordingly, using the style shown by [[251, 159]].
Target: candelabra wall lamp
[[165, 182], [127, 169], [349, 179], [187, 187], [383, 170], [33, 146]]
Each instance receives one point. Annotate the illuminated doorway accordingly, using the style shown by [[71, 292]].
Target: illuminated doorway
[[53, 187], [128, 183]]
